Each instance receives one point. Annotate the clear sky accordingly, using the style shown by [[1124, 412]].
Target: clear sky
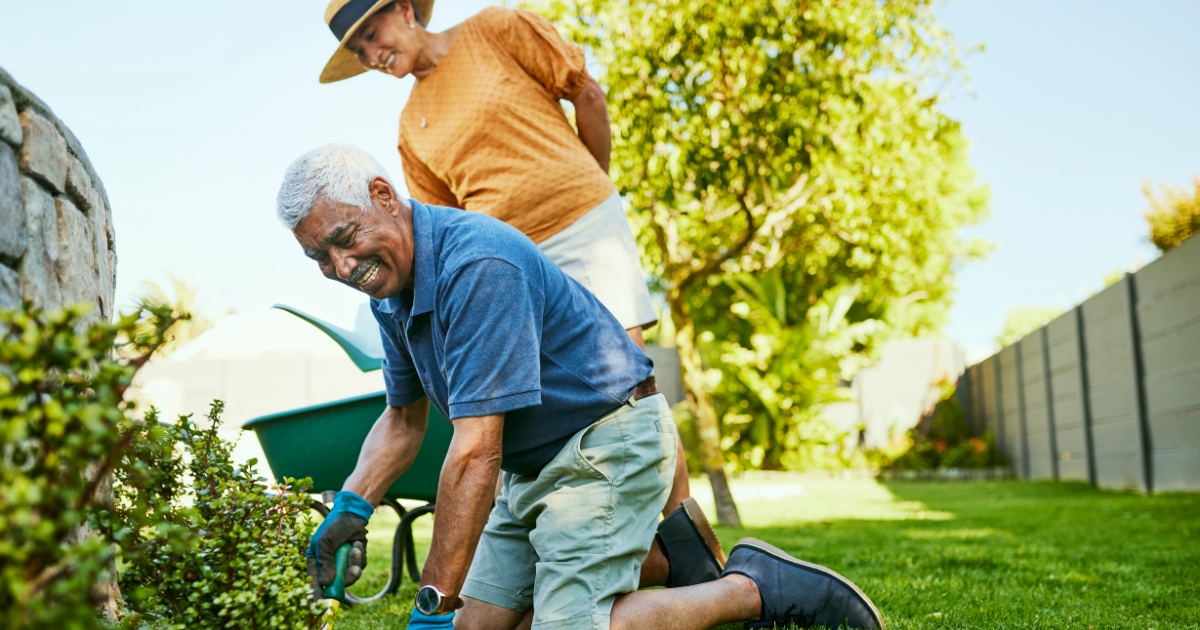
[[190, 111]]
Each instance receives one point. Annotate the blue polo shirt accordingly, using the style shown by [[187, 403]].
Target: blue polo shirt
[[493, 326]]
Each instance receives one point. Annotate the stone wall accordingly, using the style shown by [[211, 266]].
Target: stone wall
[[57, 244]]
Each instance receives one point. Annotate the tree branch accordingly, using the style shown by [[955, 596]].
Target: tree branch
[[715, 261]]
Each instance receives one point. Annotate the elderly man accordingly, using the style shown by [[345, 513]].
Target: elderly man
[[540, 382]]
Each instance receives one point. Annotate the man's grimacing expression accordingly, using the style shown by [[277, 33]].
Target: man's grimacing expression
[[370, 250]]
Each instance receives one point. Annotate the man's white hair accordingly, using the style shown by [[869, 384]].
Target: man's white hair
[[341, 173]]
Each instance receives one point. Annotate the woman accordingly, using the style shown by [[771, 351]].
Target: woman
[[483, 130]]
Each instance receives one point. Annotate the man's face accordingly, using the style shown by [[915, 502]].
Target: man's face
[[370, 250]]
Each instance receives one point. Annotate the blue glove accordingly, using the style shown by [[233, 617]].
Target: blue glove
[[420, 621], [346, 523]]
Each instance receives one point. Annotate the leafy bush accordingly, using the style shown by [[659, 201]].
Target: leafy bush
[[202, 542], [63, 427], [243, 567], [943, 440]]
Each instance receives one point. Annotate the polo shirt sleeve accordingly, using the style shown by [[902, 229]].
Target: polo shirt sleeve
[[492, 315], [400, 379], [536, 46]]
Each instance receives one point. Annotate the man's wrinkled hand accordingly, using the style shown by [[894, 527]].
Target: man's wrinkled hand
[[346, 523]]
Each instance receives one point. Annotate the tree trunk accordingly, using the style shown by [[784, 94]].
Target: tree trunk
[[705, 415]]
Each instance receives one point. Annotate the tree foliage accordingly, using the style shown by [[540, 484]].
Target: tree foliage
[[803, 137], [183, 297], [1019, 322], [1173, 215]]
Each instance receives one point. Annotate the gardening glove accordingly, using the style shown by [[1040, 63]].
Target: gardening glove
[[420, 621], [346, 523]]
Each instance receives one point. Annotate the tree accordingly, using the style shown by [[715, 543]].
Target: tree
[[1022, 321], [184, 298], [1174, 217], [768, 134]]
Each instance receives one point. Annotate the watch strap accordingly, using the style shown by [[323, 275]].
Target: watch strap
[[450, 603]]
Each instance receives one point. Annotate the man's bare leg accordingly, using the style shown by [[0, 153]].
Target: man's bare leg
[[731, 598]]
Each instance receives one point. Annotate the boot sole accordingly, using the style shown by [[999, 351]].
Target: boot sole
[[772, 550], [692, 510]]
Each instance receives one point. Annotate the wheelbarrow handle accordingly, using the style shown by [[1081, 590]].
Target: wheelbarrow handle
[[337, 589]]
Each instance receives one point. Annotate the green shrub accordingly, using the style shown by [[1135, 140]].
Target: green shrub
[[243, 567], [943, 440], [202, 542], [62, 428]]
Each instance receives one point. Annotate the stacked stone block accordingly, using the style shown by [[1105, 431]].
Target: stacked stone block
[[57, 244]]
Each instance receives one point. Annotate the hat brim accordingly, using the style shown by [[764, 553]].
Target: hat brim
[[345, 64]]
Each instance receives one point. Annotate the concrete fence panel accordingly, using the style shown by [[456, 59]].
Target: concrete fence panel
[[1038, 429], [1066, 382], [1109, 392], [978, 400], [1113, 389], [1012, 419], [1168, 310], [991, 401]]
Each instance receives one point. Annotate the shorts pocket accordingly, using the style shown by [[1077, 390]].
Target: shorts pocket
[[601, 450]]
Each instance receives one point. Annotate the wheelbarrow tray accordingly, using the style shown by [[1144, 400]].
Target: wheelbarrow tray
[[323, 441]]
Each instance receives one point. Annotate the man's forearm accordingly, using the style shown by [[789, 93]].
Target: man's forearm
[[465, 492], [389, 450], [591, 116]]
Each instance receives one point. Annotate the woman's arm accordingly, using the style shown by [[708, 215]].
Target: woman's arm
[[591, 116]]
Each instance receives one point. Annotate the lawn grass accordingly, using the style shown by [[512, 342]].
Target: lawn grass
[[970, 555]]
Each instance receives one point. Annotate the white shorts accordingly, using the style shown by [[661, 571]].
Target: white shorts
[[599, 252]]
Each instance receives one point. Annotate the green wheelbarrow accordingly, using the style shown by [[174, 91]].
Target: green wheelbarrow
[[323, 441]]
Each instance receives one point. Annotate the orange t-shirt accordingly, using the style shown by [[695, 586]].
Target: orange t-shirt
[[495, 138]]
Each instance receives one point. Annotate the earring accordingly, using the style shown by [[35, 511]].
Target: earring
[[412, 25]]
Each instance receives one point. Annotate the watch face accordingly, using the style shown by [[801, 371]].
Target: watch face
[[427, 600]]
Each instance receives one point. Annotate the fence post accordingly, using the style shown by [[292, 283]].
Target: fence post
[[1139, 373], [1085, 394], [1050, 401]]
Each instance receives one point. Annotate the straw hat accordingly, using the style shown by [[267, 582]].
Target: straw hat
[[343, 18]]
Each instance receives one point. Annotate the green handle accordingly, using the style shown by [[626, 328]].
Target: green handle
[[337, 589]]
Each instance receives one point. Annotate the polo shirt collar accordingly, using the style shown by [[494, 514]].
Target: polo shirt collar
[[423, 265]]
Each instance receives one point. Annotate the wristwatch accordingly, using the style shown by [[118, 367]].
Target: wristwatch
[[431, 601]]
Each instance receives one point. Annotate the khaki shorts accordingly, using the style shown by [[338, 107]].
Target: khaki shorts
[[571, 540], [599, 252]]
